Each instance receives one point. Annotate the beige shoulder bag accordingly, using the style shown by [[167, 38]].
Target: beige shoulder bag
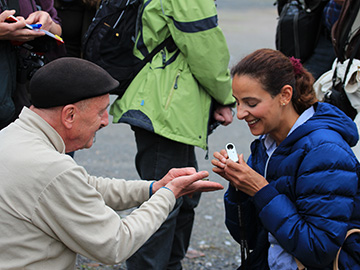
[[336, 261]]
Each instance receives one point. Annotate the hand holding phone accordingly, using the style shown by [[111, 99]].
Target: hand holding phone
[[231, 151]]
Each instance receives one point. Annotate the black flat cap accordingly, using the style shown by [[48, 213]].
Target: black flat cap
[[68, 80]]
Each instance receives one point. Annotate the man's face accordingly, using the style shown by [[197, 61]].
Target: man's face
[[91, 116]]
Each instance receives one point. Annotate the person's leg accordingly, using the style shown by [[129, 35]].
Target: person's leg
[[155, 253], [155, 157], [184, 225]]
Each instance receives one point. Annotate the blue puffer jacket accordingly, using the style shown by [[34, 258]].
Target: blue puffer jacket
[[313, 195]]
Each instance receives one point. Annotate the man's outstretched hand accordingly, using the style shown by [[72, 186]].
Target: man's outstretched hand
[[186, 181]]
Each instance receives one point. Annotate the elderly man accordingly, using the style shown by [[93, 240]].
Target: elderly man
[[50, 208]]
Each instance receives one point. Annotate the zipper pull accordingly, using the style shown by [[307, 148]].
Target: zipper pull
[[163, 57], [176, 81]]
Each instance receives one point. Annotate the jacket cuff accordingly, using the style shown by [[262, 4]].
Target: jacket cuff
[[264, 196]]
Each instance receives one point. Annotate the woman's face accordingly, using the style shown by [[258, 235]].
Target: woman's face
[[261, 111]]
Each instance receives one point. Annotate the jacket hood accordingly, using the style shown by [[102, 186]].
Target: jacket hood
[[328, 116]]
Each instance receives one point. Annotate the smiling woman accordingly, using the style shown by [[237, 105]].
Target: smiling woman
[[301, 174], [270, 96]]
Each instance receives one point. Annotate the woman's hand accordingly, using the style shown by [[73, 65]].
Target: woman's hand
[[240, 175], [220, 163]]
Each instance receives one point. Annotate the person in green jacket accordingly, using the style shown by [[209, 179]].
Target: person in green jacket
[[172, 105]]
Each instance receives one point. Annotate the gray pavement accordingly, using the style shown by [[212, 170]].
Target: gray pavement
[[247, 25]]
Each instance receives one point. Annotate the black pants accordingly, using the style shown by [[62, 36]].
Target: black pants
[[167, 247]]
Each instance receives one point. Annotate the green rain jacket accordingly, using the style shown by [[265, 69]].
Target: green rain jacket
[[173, 95]]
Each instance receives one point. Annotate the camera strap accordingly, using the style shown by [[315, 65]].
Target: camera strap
[[14, 4], [3, 5], [11, 4]]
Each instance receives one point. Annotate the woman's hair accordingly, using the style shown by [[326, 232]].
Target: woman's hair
[[274, 70]]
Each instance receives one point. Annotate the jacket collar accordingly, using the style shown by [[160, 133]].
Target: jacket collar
[[32, 122]]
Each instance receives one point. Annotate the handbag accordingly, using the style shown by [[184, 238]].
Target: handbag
[[337, 95], [298, 29], [336, 260]]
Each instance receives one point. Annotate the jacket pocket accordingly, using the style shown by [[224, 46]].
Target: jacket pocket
[[172, 90]]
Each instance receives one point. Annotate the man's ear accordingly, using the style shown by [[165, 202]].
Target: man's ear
[[68, 115], [286, 94]]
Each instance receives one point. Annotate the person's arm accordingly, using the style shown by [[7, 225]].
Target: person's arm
[[120, 194], [75, 212], [194, 28]]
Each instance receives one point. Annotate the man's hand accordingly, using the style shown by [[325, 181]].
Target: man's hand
[[223, 114], [186, 181]]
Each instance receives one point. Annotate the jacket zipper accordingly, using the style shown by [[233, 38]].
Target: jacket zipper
[[175, 86]]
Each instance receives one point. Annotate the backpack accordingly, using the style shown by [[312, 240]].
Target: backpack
[[345, 35], [298, 27], [110, 40]]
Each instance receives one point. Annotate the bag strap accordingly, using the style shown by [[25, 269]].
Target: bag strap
[[3, 5], [14, 4], [351, 58], [296, 35], [244, 249], [168, 41], [10, 4], [300, 266], [336, 260]]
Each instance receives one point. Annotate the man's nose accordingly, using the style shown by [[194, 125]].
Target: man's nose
[[105, 119]]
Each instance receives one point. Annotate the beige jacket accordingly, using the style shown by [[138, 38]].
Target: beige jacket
[[51, 209]]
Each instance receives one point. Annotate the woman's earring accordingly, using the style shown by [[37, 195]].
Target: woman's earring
[[283, 104]]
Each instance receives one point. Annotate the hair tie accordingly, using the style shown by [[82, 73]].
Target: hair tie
[[297, 66]]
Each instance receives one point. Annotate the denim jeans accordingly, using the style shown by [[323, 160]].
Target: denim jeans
[[156, 155]]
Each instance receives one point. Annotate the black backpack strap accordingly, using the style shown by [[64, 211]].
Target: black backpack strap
[[3, 5], [167, 42], [10, 4], [296, 35], [352, 56]]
